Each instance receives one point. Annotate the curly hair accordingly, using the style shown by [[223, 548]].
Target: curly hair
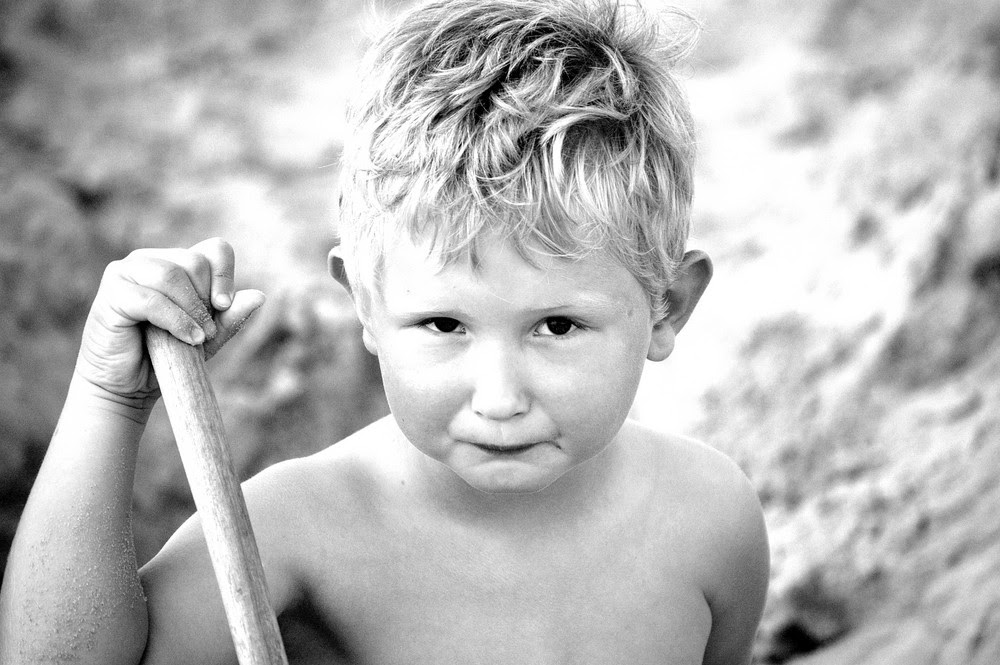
[[557, 125]]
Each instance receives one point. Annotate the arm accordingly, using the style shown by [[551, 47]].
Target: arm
[[71, 589], [737, 580]]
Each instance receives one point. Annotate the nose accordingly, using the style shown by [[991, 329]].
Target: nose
[[498, 392]]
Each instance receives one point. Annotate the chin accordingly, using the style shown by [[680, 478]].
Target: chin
[[509, 484]]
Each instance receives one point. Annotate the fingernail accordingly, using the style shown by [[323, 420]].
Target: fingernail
[[196, 336], [224, 300]]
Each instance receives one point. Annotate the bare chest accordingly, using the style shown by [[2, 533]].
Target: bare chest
[[413, 599]]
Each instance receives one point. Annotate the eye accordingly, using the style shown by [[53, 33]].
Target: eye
[[443, 324], [557, 326]]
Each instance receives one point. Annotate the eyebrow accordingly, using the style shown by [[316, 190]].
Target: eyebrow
[[585, 301]]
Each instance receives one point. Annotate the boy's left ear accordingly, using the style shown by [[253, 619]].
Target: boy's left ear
[[693, 276]]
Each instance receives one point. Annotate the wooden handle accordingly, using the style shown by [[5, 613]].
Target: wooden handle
[[197, 424]]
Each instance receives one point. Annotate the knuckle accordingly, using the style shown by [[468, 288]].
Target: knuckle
[[113, 269], [200, 263], [172, 274], [141, 254], [221, 248]]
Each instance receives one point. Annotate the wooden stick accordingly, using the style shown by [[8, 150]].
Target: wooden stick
[[197, 424]]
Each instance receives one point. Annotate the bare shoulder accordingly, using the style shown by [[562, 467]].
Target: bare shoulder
[[688, 469], [348, 474], [295, 507], [720, 520], [718, 502]]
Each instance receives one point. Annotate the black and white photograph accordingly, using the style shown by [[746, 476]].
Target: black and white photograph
[[500, 332]]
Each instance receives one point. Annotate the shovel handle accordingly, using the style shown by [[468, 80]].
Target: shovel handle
[[197, 425]]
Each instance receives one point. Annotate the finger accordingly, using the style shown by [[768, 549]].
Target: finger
[[231, 321], [222, 263], [195, 264], [174, 282], [141, 303]]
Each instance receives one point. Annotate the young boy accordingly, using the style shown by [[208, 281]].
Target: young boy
[[514, 215]]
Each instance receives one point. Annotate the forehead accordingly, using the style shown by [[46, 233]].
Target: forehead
[[415, 276]]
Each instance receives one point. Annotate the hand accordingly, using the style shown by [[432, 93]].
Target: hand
[[187, 292]]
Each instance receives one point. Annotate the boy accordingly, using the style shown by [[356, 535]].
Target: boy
[[514, 215]]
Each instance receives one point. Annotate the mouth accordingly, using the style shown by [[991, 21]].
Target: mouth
[[506, 449]]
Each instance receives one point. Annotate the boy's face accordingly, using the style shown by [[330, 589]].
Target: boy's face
[[510, 375]]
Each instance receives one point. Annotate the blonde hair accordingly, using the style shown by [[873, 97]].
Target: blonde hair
[[557, 125]]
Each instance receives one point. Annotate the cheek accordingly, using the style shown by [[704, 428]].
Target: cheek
[[620, 363], [421, 399], [597, 391]]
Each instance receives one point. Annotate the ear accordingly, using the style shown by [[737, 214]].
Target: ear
[[335, 264], [693, 276], [369, 340]]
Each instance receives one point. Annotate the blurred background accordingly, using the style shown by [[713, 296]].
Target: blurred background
[[847, 354]]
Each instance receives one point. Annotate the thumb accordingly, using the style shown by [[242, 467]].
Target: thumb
[[230, 321]]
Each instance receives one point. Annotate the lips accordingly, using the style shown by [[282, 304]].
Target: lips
[[505, 448]]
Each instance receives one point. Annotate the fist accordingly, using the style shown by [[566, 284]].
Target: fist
[[189, 293]]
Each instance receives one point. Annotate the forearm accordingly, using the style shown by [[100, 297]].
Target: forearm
[[71, 590]]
